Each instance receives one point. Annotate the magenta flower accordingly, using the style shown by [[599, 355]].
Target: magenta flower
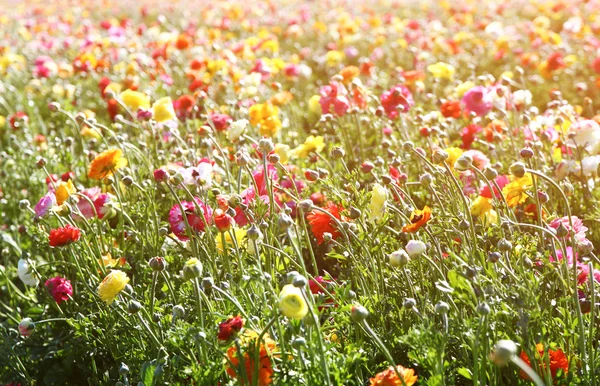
[[477, 100], [333, 99], [84, 206], [45, 204], [194, 219], [399, 95], [578, 227], [60, 288]]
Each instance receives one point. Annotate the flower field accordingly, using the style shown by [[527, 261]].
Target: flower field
[[300, 193]]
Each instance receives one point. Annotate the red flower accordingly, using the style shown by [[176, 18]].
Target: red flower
[[230, 327], [63, 236], [223, 221], [555, 61], [220, 121], [60, 288], [468, 135], [558, 360], [399, 95], [18, 120], [451, 109], [321, 223], [315, 287]]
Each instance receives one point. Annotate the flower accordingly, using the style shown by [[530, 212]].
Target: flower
[[415, 248], [63, 236], [584, 133], [45, 204], [60, 288], [63, 191], [292, 303], [26, 327], [265, 115], [378, 199], [229, 328], [106, 163], [112, 284], [223, 221], [194, 219], [236, 129], [25, 274], [477, 100], [333, 99], [515, 191], [162, 110], [312, 144], [441, 70], [557, 360], [451, 109], [240, 239], [220, 121], [578, 227], [399, 95], [134, 100], [321, 223], [389, 377], [249, 343], [418, 218]]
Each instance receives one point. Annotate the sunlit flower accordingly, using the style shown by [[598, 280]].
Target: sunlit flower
[[378, 201], [292, 303], [230, 327], [477, 100], [106, 163], [310, 145], [162, 110], [321, 223], [389, 377], [196, 217], [63, 191], [135, 100], [418, 218], [249, 343], [441, 70], [60, 288], [63, 236], [27, 276], [516, 191], [398, 99], [112, 285], [557, 359]]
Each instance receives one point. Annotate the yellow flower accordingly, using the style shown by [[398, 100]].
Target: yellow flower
[[112, 284], [454, 153], [2, 121], [265, 115], [239, 234], [63, 191], [162, 110], [515, 192], [311, 144], [106, 163], [480, 206], [292, 303], [462, 88], [115, 88], [282, 151], [108, 262], [334, 58], [134, 100], [441, 70], [87, 132], [314, 105], [378, 199]]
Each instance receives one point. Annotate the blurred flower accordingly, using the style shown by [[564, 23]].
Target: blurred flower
[[266, 117], [399, 95], [333, 99], [134, 100], [223, 221], [477, 100], [60, 288], [310, 145], [557, 360], [415, 248], [197, 221], [378, 200], [25, 273], [106, 163], [441, 70], [44, 205], [292, 303], [112, 285], [26, 327], [578, 227], [389, 377], [162, 110], [63, 236], [451, 109], [63, 191], [320, 223], [249, 343], [418, 218], [515, 191], [237, 129]]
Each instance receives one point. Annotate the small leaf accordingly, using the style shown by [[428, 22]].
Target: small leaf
[[465, 373], [443, 286], [147, 374]]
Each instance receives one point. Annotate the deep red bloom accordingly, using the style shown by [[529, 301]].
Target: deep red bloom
[[220, 121], [64, 236], [230, 327], [184, 106], [557, 358], [60, 288], [223, 221], [451, 109], [17, 120], [315, 287], [399, 95], [321, 223], [468, 135], [67, 176]]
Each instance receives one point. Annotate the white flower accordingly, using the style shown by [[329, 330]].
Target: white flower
[[415, 248], [26, 275], [236, 129], [586, 133], [399, 258], [522, 97], [589, 165]]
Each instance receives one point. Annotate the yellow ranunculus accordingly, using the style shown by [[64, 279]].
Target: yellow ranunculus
[[134, 100], [313, 104], [162, 110], [292, 303], [480, 206], [282, 151], [311, 144], [334, 58], [112, 284], [63, 191], [454, 153], [441, 70], [378, 199], [462, 88]]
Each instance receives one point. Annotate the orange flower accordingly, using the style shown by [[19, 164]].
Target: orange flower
[[321, 223], [106, 163], [390, 378], [349, 73], [418, 218], [557, 358], [265, 366]]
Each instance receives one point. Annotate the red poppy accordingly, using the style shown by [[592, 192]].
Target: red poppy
[[418, 218], [557, 358], [230, 328], [64, 236], [321, 223]]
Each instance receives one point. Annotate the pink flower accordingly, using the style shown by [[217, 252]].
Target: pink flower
[[480, 160], [84, 205], [102, 204], [220, 121], [399, 95], [333, 100], [45, 204], [582, 269], [194, 219], [578, 227], [485, 189], [60, 288], [477, 100]]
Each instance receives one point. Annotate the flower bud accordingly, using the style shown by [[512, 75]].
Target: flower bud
[[40, 163], [463, 163], [359, 313], [26, 327], [504, 245], [337, 153], [299, 281], [192, 269], [399, 258], [426, 179], [409, 303], [543, 196], [127, 180], [490, 173], [134, 307], [254, 233], [355, 213], [285, 221], [415, 248], [123, 369], [526, 152], [517, 169], [24, 204], [157, 264], [504, 352], [408, 146], [265, 145], [494, 257], [442, 308], [439, 156], [366, 167], [178, 312], [305, 205], [483, 309]]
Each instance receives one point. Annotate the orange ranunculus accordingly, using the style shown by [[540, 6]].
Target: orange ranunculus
[[265, 353], [349, 73], [389, 377], [321, 223], [418, 218], [557, 359], [106, 163]]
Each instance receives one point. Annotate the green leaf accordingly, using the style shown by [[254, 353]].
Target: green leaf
[[147, 374], [7, 239], [443, 286], [465, 373]]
